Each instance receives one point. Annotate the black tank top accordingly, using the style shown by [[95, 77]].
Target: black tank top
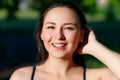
[[34, 68]]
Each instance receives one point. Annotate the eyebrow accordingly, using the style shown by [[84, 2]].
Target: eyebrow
[[64, 23], [70, 24], [50, 23]]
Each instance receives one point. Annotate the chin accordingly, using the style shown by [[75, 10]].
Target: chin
[[62, 56]]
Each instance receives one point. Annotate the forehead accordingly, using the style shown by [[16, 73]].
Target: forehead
[[61, 13]]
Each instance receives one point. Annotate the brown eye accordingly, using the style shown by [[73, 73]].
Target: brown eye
[[69, 28], [50, 27]]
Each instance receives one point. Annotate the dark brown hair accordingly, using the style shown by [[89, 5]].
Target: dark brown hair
[[43, 54]]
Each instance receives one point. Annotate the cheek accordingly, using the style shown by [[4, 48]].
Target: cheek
[[73, 37], [46, 36]]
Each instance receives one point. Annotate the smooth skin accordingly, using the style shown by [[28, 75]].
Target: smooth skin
[[61, 34]]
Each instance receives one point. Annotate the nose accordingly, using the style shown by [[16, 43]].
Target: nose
[[59, 34]]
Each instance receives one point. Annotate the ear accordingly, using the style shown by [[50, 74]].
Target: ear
[[41, 35]]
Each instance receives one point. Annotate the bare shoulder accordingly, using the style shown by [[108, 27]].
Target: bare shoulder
[[100, 74], [23, 73]]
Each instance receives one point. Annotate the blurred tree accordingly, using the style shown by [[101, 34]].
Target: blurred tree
[[11, 7], [1, 4], [40, 4], [88, 6], [110, 13]]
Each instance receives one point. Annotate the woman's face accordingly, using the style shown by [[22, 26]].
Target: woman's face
[[61, 32]]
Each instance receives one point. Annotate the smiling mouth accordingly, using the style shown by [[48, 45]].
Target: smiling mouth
[[59, 45]]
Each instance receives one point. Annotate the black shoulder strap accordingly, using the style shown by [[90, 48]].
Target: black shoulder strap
[[33, 72], [84, 73], [34, 68]]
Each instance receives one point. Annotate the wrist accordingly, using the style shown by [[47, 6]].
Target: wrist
[[92, 49], [98, 50]]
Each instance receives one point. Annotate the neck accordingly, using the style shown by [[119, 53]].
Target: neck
[[59, 66]]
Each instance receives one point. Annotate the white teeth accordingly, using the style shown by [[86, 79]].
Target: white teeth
[[59, 45]]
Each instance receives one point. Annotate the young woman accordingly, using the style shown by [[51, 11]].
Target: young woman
[[62, 37]]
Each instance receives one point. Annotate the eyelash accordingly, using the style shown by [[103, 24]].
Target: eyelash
[[50, 27], [66, 28], [69, 28]]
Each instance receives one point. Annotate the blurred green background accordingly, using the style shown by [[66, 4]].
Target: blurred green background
[[18, 20]]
